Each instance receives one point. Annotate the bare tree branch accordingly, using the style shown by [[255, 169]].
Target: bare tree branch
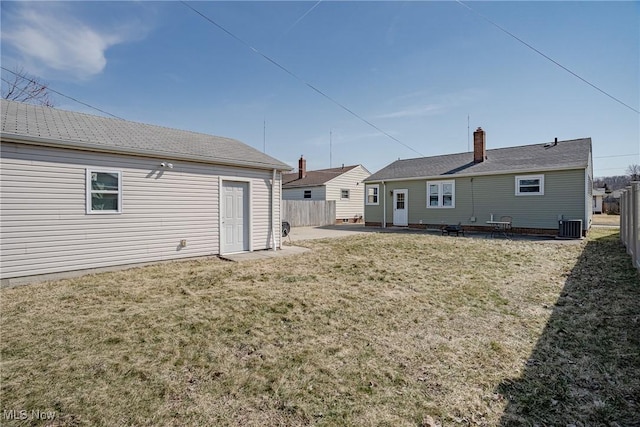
[[634, 172], [17, 85]]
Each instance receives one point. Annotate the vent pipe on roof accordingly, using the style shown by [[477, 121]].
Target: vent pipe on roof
[[302, 168], [479, 146]]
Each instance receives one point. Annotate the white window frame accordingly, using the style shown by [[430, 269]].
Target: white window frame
[[376, 194], [440, 185], [520, 178], [90, 191], [342, 196], [304, 194]]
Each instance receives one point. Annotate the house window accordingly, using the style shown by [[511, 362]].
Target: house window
[[441, 194], [307, 194], [530, 185], [372, 194], [344, 194], [104, 191]]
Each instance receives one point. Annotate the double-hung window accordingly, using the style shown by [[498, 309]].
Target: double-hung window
[[307, 194], [104, 191], [344, 194], [530, 185], [441, 194], [372, 194]]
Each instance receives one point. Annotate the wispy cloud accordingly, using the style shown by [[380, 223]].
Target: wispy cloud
[[340, 137], [423, 103], [48, 35], [413, 111]]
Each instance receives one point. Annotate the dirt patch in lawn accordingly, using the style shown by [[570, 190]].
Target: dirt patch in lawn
[[372, 329]]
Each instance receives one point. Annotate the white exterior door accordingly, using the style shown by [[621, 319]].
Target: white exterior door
[[234, 217], [400, 207]]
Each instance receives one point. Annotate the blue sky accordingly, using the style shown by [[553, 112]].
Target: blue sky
[[416, 70]]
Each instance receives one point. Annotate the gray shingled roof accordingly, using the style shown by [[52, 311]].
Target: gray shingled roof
[[313, 178], [49, 126], [572, 154]]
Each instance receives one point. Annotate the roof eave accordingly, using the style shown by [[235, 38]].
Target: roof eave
[[469, 175], [287, 186], [88, 146]]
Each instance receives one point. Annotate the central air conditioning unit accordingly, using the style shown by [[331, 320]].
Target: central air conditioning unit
[[570, 229]]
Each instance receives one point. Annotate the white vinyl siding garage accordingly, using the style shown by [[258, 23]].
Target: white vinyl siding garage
[[46, 227]]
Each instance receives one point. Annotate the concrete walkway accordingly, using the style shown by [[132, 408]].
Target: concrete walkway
[[331, 231], [326, 231], [299, 234]]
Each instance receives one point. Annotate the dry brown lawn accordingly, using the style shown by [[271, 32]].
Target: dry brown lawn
[[368, 330], [604, 219]]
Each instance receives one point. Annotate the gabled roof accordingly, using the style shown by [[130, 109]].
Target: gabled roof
[[571, 154], [313, 178], [34, 124]]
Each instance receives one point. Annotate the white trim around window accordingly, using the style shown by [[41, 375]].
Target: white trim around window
[[103, 191], [372, 194], [530, 185], [441, 194], [344, 194]]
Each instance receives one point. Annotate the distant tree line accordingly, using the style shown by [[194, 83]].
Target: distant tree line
[[612, 183]]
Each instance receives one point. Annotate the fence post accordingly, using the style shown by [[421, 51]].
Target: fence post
[[630, 221], [626, 219], [635, 222]]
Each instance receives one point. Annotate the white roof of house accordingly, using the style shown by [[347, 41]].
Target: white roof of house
[[33, 124]]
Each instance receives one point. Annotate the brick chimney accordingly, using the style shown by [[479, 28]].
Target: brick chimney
[[302, 168], [479, 146]]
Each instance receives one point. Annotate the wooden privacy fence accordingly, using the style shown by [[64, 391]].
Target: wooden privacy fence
[[630, 221], [308, 213]]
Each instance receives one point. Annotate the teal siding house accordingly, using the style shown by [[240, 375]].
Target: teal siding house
[[537, 186]]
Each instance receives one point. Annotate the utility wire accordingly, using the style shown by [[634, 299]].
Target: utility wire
[[59, 93], [545, 56], [620, 155], [11, 83], [286, 70]]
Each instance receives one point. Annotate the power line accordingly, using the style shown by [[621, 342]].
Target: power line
[[608, 169], [620, 155], [286, 70], [545, 56], [60, 93]]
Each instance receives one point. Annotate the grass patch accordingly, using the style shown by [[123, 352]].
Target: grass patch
[[373, 329], [604, 219]]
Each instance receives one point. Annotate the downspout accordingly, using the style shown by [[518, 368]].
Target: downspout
[[273, 211], [384, 205]]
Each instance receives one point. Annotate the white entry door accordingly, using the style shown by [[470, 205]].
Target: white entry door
[[400, 207], [234, 217]]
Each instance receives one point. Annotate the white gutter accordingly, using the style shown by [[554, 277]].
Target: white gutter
[[384, 205], [273, 211]]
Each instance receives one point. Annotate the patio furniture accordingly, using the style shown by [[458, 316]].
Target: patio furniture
[[449, 229], [501, 227]]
